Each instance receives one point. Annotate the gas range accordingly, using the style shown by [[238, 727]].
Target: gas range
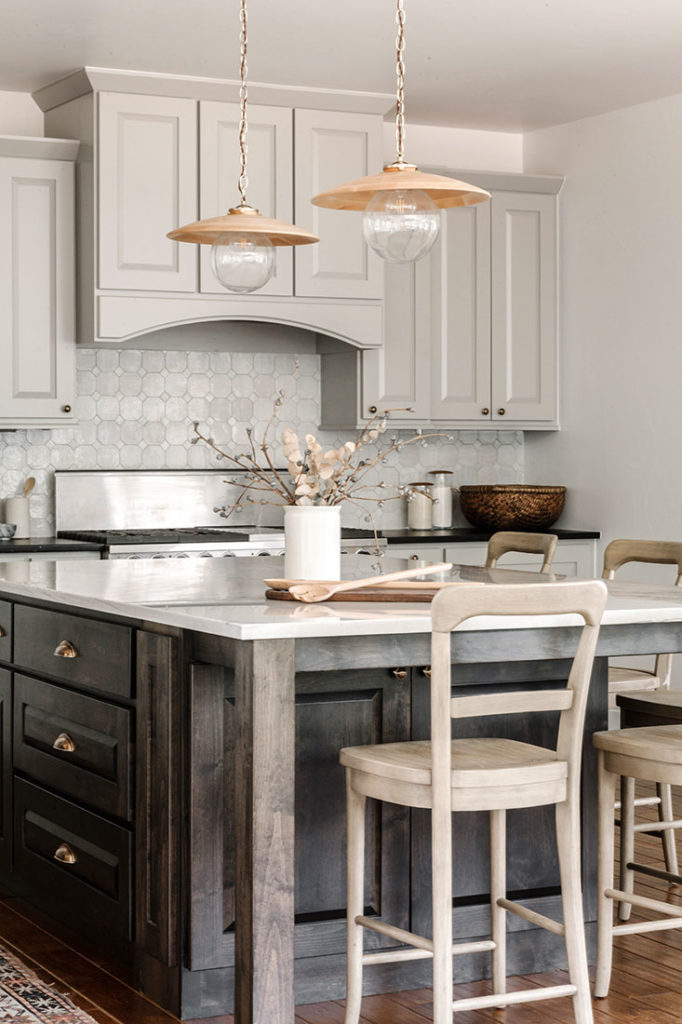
[[184, 542], [152, 514]]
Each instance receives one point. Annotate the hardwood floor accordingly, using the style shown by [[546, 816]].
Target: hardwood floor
[[646, 986]]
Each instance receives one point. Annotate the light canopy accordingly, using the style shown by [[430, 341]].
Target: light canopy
[[401, 229], [242, 257]]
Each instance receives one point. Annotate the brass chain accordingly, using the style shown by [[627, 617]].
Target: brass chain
[[243, 126], [400, 76]]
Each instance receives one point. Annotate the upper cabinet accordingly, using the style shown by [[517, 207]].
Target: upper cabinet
[[161, 152], [37, 329], [470, 332]]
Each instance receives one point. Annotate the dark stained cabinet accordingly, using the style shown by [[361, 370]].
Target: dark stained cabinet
[[5, 770], [78, 859], [5, 631]]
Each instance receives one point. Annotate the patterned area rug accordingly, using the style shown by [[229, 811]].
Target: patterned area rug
[[24, 999]]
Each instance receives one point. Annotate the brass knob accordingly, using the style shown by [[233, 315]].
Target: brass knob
[[500, 412], [427, 671], [66, 408], [64, 854], [64, 742], [399, 673], [373, 409], [414, 558], [2, 632], [485, 412], [65, 649]]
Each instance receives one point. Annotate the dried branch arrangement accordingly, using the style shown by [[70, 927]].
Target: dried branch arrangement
[[315, 476]]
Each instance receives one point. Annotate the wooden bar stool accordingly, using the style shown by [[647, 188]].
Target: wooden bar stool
[[533, 543], [659, 707], [624, 680], [480, 774], [653, 753]]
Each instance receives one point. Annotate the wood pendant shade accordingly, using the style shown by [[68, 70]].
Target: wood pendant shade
[[240, 221], [444, 191]]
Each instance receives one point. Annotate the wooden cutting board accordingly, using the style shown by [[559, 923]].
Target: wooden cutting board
[[400, 592]]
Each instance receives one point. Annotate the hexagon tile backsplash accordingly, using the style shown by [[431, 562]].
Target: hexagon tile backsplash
[[136, 410]]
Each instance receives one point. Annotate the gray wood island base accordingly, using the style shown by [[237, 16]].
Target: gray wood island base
[[171, 786]]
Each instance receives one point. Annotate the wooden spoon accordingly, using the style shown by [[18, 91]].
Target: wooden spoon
[[314, 591], [29, 485]]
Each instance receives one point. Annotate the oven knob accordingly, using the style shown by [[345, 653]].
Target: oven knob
[[228, 554], [205, 554], [266, 553]]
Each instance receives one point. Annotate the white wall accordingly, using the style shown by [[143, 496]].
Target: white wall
[[621, 320], [462, 148], [20, 115]]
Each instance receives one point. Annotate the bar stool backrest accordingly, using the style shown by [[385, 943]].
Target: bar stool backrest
[[655, 552], [451, 607], [531, 543]]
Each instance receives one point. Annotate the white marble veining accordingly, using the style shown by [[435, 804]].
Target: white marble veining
[[225, 597]]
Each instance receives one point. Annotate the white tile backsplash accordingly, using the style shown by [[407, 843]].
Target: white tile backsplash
[[136, 411]]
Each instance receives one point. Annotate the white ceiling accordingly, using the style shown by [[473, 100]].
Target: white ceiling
[[508, 65]]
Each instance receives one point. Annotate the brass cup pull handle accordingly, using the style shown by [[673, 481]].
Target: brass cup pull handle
[[65, 649], [399, 673], [427, 671], [64, 854], [64, 742]]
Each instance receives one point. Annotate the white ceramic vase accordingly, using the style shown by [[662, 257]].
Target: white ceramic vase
[[312, 542]]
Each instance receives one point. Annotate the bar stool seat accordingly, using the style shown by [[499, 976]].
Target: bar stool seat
[[623, 679], [486, 774], [654, 754]]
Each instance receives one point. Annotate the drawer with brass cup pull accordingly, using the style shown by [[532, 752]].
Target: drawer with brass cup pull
[[84, 653], [78, 860], [78, 745]]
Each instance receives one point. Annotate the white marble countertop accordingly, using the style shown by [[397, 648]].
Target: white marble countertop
[[225, 597]]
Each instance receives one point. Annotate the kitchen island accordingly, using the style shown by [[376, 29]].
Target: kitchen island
[[173, 788]]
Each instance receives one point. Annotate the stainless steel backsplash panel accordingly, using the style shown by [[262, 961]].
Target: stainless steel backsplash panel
[[134, 499]]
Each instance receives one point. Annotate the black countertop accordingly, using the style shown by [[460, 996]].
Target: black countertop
[[457, 535], [26, 545]]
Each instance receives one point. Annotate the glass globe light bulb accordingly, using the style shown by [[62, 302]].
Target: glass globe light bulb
[[401, 226], [243, 262]]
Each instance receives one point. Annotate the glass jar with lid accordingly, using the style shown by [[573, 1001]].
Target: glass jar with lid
[[441, 493], [419, 505]]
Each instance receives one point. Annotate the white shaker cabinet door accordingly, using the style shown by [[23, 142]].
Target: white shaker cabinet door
[[147, 159], [460, 316], [37, 337], [524, 307], [396, 376], [333, 147], [270, 178]]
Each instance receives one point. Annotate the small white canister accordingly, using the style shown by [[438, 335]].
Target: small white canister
[[17, 511], [441, 491], [419, 506]]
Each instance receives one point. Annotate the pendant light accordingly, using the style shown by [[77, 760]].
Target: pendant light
[[402, 204], [243, 253]]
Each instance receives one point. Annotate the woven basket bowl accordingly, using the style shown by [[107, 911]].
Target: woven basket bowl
[[511, 506]]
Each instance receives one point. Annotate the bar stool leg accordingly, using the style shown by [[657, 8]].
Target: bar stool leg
[[568, 847], [627, 842], [498, 890], [607, 794], [355, 871], [665, 813]]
